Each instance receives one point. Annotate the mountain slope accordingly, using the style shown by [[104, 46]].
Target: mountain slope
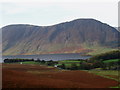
[[68, 37]]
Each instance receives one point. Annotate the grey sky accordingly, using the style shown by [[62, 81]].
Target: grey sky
[[44, 13]]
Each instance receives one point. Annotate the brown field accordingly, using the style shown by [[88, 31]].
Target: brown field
[[35, 76]]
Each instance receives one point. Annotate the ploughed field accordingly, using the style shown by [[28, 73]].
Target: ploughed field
[[39, 76]]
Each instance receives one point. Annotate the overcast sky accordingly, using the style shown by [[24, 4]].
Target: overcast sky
[[50, 12]]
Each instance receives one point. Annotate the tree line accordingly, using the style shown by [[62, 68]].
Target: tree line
[[49, 63], [88, 66], [106, 56], [16, 60], [97, 61]]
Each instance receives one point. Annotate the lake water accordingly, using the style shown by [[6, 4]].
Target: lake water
[[47, 57]]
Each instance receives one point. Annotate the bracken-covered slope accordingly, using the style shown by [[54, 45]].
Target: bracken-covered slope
[[70, 37]]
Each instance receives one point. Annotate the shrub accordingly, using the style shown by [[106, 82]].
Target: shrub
[[106, 56], [74, 66]]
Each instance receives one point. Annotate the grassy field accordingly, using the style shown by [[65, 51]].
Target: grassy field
[[115, 87], [111, 60], [110, 74], [30, 62], [68, 63]]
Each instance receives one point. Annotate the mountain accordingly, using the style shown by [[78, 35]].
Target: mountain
[[117, 28], [80, 35]]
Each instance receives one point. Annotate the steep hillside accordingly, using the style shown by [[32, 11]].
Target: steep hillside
[[68, 37]]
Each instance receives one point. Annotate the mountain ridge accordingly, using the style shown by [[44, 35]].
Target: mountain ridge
[[60, 23], [24, 39]]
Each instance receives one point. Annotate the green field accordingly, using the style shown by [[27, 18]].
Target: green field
[[30, 62], [111, 60], [115, 87], [68, 64], [69, 61]]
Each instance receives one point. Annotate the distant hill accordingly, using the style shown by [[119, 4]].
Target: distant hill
[[81, 35]]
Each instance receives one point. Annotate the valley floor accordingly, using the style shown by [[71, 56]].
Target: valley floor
[[38, 76]]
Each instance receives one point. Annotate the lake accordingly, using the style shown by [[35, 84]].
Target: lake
[[47, 57]]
